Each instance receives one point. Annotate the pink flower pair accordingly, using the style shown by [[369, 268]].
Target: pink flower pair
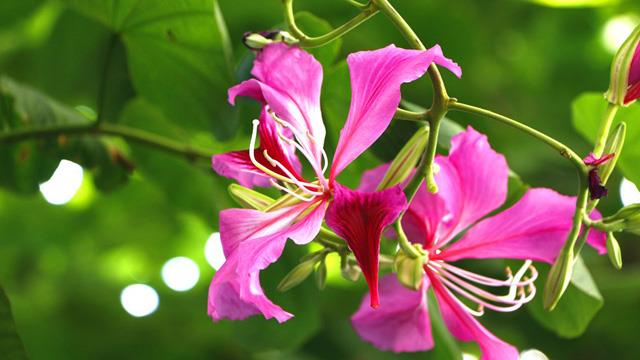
[[472, 181]]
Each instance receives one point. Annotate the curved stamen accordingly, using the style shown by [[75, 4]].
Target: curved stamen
[[256, 163], [481, 279], [302, 185], [291, 192]]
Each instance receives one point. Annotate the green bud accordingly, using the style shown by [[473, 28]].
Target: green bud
[[349, 268], [409, 270], [558, 279], [256, 41], [627, 219], [406, 160], [285, 37], [620, 68], [613, 250], [297, 275], [613, 146], [321, 274], [248, 198]]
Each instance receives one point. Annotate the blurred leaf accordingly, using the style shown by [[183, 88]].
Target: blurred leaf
[[27, 164], [11, 11], [575, 3], [315, 26], [588, 109], [177, 55], [577, 307], [11, 347]]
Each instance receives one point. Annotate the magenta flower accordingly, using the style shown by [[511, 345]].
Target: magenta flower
[[473, 183], [633, 90], [287, 82]]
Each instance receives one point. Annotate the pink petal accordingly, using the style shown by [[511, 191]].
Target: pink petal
[[376, 77], [238, 165], [534, 228], [252, 240], [472, 182], [465, 327], [593, 160], [289, 81], [360, 218], [422, 222], [371, 178], [401, 324], [634, 70]]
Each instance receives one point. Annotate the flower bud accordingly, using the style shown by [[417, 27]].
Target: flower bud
[[613, 146], [321, 274], [257, 41], [624, 87], [409, 270], [558, 279], [627, 219], [405, 162], [349, 268], [297, 275], [614, 252], [248, 198]]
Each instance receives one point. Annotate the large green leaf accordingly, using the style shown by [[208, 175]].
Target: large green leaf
[[580, 303], [587, 112], [11, 347], [177, 54]]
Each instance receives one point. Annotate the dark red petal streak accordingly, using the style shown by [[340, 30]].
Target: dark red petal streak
[[360, 217]]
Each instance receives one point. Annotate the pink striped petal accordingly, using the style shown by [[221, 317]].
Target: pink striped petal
[[360, 218], [472, 182], [424, 219], [371, 178], [634, 70], [289, 81], [465, 327], [237, 165], [401, 324], [534, 228], [252, 240], [376, 77]]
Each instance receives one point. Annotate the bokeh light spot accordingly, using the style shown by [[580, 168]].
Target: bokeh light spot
[[213, 251], [180, 273], [139, 300], [616, 31], [629, 193], [63, 184]]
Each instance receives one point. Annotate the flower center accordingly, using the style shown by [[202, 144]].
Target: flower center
[[286, 180], [465, 284]]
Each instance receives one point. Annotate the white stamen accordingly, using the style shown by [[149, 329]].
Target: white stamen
[[291, 192], [302, 185]]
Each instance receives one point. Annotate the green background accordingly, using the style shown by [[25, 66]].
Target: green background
[[167, 69]]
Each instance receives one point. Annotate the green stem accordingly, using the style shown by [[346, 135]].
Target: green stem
[[430, 154], [562, 149], [134, 135], [404, 243], [311, 41], [605, 126], [332, 237], [403, 114]]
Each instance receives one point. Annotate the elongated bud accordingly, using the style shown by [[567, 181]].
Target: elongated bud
[[613, 146], [614, 252], [626, 219], [249, 199], [558, 279], [624, 87], [402, 166], [321, 274], [297, 275], [409, 270]]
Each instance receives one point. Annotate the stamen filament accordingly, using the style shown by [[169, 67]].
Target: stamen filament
[[300, 184], [291, 192]]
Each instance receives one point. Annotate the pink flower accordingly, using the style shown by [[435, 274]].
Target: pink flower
[[633, 90], [287, 82], [473, 183]]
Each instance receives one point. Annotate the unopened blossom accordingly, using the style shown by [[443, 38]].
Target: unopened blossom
[[452, 225], [597, 190], [287, 82]]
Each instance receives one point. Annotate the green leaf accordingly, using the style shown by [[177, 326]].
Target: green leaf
[[177, 53], [577, 307], [587, 111], [575, 3], [11, 347]]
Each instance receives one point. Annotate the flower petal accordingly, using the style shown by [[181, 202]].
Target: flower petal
[[237, 165], [252, 240], [376, 77], [634, 70], [289, 81], [465, 327], [534, 228], [422, 221], [360, 218], [472, 182], [401, 324], [371, 178]]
